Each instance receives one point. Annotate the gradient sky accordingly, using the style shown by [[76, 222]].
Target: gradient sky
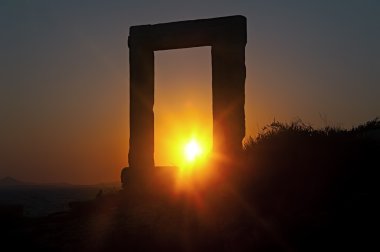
[[64, 76]]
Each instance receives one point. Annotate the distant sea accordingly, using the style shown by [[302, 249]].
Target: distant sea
[[44, 200]]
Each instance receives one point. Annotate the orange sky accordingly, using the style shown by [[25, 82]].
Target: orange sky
[[183, 98], [64, 77]]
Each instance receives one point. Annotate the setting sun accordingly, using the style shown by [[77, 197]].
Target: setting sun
[[193, 155], [192, 150]]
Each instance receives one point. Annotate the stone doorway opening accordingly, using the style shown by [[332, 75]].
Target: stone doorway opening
[[182, 103]]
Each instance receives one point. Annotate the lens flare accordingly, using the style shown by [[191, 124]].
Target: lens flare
[[192, 150]]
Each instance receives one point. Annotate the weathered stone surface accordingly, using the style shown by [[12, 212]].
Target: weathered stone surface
[[141, 141], [227, 36]]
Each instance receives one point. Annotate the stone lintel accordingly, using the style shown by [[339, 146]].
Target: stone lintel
[[193, 33]]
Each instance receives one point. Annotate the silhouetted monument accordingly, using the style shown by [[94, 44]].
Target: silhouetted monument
[[227, 37]]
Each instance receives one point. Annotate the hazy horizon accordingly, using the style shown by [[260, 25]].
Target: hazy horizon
[[65, 77]]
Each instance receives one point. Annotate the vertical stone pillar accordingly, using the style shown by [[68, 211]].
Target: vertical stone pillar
[[141, 141], [228, 91]]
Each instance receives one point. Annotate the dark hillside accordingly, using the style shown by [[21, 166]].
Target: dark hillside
[[294, 188]]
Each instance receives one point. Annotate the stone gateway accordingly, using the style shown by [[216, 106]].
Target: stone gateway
[[227, 37]]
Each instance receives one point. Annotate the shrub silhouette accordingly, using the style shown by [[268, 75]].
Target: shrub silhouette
[[316, 185]]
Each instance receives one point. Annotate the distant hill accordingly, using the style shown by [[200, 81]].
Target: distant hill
[[9, 181], [12, 182]]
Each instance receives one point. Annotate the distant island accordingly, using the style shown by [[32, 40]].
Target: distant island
[[9, 181]]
